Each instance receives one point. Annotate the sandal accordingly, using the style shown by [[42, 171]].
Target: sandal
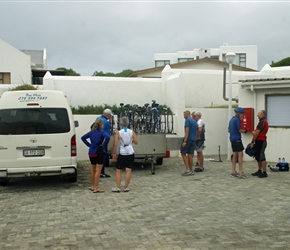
[[99, 191], [91, 189]]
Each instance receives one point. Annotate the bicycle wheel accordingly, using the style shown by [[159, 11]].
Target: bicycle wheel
[[148, 124], [155, 122], [163, 123], [169, 122]]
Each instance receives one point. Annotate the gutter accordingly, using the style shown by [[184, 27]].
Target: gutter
[[224, 88]]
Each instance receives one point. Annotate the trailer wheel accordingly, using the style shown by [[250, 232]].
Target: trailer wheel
[[159, 161], [152, 168]]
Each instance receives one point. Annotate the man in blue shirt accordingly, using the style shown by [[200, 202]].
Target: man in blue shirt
[[106, 116], [188, 144], [235, 129]]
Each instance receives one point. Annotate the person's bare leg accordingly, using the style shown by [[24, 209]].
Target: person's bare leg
[[190, 161], [97, 177], [118, 177], [185, 160], [200, 159], [234, 160], [93, 173], [128, 177], [240, 160]]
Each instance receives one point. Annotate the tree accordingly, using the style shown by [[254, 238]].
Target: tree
[[69, 72], [281, 63], [124, 73]]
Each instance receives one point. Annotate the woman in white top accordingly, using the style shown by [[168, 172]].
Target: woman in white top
[[126, 137]]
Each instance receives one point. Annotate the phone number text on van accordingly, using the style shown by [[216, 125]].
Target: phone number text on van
[[32, 97]]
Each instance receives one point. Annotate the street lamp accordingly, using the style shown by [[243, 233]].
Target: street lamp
[[230, 57]]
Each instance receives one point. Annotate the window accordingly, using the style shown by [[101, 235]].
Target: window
[[180, 60], [277, 107], [5, 78], [240, 59], [161, 63], [34, 121], [214, 57]]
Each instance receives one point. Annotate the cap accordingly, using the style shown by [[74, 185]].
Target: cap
[[239, 110], [107, 112]]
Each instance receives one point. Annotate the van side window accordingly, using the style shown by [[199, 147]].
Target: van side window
[[34, 121]]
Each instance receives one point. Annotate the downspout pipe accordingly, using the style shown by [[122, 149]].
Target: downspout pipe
[[255, 98], [224, 87]]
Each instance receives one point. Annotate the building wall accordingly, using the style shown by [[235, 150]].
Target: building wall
[[250, 50], [16, 63], [277, 138], [171, 90]]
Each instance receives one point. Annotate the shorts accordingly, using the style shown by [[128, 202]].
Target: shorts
[[189, 148], [260, 147], [199, 145], [99, 159], [237, 146], [125, 161]]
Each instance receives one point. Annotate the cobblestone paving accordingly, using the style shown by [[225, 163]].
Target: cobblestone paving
[[209, 210]]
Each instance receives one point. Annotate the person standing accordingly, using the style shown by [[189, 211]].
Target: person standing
[[99, 140], [235, 129], [259, 141], [126, 138], [188, 143], [200, 138], [105, 117]]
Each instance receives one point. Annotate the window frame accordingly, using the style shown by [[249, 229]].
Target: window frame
[[279, 110]]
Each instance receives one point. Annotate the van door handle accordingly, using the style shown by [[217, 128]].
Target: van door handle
[[1, 147]]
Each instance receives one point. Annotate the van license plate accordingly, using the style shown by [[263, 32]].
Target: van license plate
[[33, 152]]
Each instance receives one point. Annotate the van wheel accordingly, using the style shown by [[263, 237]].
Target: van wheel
[[159, 161], [73, 178], [4, 181]]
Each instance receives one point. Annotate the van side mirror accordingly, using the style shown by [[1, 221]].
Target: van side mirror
[[76, 123]]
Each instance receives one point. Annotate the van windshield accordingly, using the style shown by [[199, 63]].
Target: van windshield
[[34, 121]]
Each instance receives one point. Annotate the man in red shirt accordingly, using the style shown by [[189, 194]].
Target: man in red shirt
[[259, 141]]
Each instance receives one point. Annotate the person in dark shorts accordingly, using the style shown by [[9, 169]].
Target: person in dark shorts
[[188, 144], [126, 137], [99, 140], [105, 117], [235, 129], [259, 141]]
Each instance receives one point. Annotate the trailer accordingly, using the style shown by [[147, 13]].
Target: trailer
[[152, 148]]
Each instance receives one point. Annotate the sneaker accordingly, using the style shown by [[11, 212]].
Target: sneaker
[[263, 175], [234, 175], [199, 169], [274, 168], [105, 176], [126, 189], [241, 176], [257, 173], [187, 173], [116, 190]]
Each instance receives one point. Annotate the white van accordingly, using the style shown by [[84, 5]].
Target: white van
[[37, 135]]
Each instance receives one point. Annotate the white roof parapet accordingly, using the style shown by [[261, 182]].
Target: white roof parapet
[[266, 83]]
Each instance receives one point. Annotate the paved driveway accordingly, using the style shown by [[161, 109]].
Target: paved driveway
[[209, 210]]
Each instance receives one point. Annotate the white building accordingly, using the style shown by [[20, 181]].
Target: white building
[[246, 55], [15, 66]]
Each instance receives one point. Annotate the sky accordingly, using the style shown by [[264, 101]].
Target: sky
[[112, 36]]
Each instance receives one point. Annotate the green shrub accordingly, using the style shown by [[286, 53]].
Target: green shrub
[[24, 87]]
